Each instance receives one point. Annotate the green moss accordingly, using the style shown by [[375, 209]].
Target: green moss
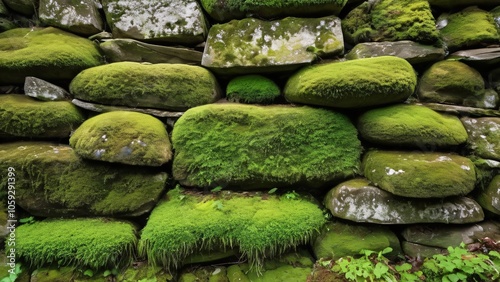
[[489, 198], [263, 147], [350, 84], [484, 136], [123, 137], [259, 225], [411, 126], [165, 86], [469, 28], [48, 53], [144, 272], [24, 116], [95, 243], [251, 89]]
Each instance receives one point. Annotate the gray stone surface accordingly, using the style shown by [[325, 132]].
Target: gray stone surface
[[489, 198], [25, 7], [484, 136], [43, 90]]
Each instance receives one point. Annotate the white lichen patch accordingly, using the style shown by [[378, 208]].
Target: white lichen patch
[[390, 171], [465, 167], [67, 13]]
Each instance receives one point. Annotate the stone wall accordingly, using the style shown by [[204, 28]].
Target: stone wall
[[243, 140]]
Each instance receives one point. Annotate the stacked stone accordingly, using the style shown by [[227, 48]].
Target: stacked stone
[[126, 147]]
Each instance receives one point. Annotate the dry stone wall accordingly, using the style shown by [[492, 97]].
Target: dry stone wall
[[234, 140]]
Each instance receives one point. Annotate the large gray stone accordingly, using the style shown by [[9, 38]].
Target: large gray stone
[[484, 136], [25, 7], [43, 90], [489, 198], [481, 56]]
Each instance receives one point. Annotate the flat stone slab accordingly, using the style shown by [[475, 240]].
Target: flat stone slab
[[105, 108], [481, 56], [43, 90], [461, 110], [484, 136]]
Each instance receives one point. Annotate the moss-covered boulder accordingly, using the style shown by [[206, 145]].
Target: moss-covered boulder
[[419, 250], [141, 271], [48, 53], [248, 147], [252, 45], [338, 239], [23, 116], [420, 174], [259, 225], [357, 200], [76, 16], [450, 82], [252, 89], [123, 137], [96, 243], [391, 20], [67, 273], [177, 21], [25, 7], [164, 86], [353, 84], [52, 181], [484, 136], [411, 126], [470, 28], [489, 198]]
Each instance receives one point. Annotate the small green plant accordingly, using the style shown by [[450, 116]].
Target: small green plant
[[218, 205], [272, 191], [291, 195], [108, 272], [27, 220], [216, 189], [13, 274], [89, 273]]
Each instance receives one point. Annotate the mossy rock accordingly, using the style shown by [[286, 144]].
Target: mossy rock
[[391, 20], [411, 126], [123, 137], [52, 181], [450, 4], [248, 147], [419, 250], [23, 116], [484, 136], [353, 84], [469, 28], [359, 201], [252, 89], [65, 274], [174, 87], [25, 7], [96, 243], [420, 174], [489, 198], [48, 53], [258, 224], [141, 271]]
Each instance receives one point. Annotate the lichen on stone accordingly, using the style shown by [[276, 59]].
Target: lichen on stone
[[252, 89]]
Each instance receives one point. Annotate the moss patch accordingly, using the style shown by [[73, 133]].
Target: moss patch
[[123, 137], [174, 87], [49, 54], [252, 89], [353, 84], [489, 198], [262, 147], [484, 136], [95, 243], [23, 116], [259, 225]]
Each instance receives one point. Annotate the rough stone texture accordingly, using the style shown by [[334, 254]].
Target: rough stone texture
[[479, 57], [52, 181], [3, 10], [484, 136], [450, 82], [248, 147], [123, 137], [104, 108], [119, 50], [174, 87], [460, 110], [494, 79], [48, 53], [338, 239], [77, 16], [420, 174], [25, 7], [411, 126], [43, 90], [251, 45], [489, 100], [143, 272], [417, 250], [414, 53], [23, 116], [489, 198], [353, 84], [252, 89], [449, 4], [6, 24], [358, 201], [178, 21]]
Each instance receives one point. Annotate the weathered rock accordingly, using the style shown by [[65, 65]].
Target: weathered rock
[[6, 24], [411, 126], [174, 87], [423, 251], [494, 79], [249, 147], [420, 174], [353, 84], [484, 136], [450, 82], [43, 90], [23, 116], [101, 36], [64, 274], [460, 110], [449, 4], [143, 272], [119, 50], [49, 54], [76, 16], [235, 9], [481, 56], [25, 7], [204, 256], [252, 89], [179, 21], [123, 137], [391, 20], [489, 198], [414, 53], [338, 239], [105, 108], [251, 45], [52, 181], [358, 201], [469, 28], [488, 100], [3, 10]]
